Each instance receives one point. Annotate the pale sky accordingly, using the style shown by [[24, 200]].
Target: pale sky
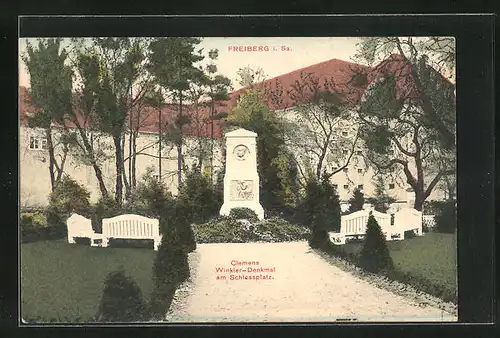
[[300, 52]]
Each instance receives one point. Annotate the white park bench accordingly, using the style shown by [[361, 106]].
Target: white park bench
[[81, 227], [119, 227], [131, 227], [354, 225]]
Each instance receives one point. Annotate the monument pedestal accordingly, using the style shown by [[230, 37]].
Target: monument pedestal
[[241, 180]]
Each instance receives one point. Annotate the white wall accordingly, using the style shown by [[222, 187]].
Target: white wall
[[35, 184]]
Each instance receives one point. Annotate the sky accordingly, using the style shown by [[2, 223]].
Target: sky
[[275, 55], [283, 55]]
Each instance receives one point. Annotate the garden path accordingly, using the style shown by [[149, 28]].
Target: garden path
[[304, 287]]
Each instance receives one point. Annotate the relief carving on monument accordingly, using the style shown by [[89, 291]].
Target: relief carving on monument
[[242, 190], [241, 152]]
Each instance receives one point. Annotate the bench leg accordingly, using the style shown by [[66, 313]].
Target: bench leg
[[157, 244]]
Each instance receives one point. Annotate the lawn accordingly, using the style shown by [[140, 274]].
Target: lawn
[[65, 282], [432, 257]]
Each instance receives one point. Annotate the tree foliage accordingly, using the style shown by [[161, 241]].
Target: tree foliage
[[357, 201], [51, 93], [252, 113], [408, 115]]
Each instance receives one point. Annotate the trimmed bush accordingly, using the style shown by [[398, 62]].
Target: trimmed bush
[[170, 269], [150, 198], [320, 207], [104, 208], [446, 217], [68, 196], [122, 300], [374, 256], [227, 229], [244, 213], [198, 195]]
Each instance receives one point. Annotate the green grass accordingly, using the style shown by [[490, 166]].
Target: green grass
[[65, 281], [430, 259]]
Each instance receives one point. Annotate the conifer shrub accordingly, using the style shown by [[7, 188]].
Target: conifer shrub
[[320, 206], [122, 300], [199, 196], [150, 198], [170, 269], [446, 217], [374, 256], [357, 201], [104, 208]]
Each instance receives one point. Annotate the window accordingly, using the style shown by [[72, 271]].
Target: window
[[156, 177], [346, 186], [360, 171], [345, 152], [391, 185], [345, 170], [360, 187], [336, 186], [38, 143], [344, 133], [359, 152]]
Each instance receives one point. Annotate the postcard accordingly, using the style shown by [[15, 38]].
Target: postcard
[[237, 179]]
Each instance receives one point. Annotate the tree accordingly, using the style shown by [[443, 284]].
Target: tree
[[50, 93], [374, 256], [322, 128], [251, 113], [357, 201], [380, 201], [171, 61], [408, 114], [218, 92], [118, 60], [320, 209]]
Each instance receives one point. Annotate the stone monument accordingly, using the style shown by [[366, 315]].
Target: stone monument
[[241, 180]]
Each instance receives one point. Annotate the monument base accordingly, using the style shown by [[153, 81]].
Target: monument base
[[256, 207]]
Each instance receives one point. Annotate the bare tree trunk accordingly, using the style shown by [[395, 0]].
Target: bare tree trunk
[[124, 175], [119, 163], [50, 146], [133, 157], [179, 144]]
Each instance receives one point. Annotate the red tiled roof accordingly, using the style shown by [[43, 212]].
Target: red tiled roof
[[337, 74], [334, 73]]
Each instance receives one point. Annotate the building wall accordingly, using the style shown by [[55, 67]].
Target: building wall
[[35, 180], [35, 184]]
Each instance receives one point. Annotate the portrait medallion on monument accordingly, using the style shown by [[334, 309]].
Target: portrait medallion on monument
[[241, 190], [241, 152]]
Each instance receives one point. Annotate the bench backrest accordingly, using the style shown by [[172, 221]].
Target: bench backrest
[[79, 226], [408, 219], [355, 223], [130, 226]]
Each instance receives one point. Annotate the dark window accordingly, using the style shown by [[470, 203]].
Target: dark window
[[345, 152], [346, 186], [344, 133], [345, 170], [336, 186], [391, 185], [359, 152], [360, 171], [360, 186]]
